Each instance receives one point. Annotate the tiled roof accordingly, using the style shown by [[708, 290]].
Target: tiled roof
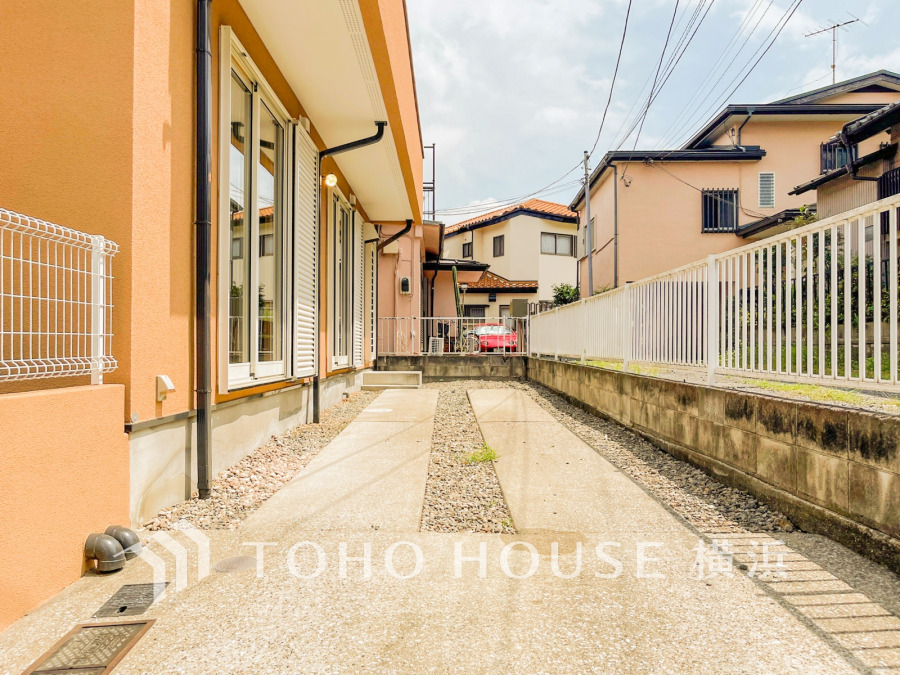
[[494, 282], [264, 212], [538, 206], [873, 123]]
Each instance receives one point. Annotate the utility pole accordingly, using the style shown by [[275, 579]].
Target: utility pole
[[834, 29], [589, 231]]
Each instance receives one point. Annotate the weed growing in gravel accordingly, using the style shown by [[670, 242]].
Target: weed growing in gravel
[[485, 454]]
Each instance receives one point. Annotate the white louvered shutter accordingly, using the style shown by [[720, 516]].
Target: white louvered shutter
[[766, 190], [373, 303], [306, 241], [359, 292]]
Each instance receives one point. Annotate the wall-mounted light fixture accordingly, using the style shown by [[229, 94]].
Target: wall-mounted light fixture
[[331, 180]]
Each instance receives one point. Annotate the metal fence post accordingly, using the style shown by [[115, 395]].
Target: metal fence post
[[584, 330], [712, 319], [626, 327], [556, 335], [98, 278]]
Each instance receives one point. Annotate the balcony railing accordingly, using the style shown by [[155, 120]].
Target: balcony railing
[[889, 184], [55, 300]]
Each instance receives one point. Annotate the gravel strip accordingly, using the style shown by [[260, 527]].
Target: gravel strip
[[239, 491], [461, 495], [706, 504]]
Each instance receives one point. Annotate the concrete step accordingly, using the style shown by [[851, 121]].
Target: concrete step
[[391, 379]]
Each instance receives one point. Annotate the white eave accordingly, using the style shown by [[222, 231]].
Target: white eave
[[322, 50]]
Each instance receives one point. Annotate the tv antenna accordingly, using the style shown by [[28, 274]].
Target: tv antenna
[[834, 29]]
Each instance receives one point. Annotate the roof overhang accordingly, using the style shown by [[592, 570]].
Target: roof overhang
[[777, 112], [886, 152], [324, 53], [771, 225], [609, 160], [512, 214], [433, 238]]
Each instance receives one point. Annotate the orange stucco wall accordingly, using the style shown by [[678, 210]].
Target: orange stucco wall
[[63, 475]]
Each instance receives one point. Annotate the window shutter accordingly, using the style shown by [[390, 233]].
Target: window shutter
[[766, 190], [372, 301], [358, 291], [306, 239]]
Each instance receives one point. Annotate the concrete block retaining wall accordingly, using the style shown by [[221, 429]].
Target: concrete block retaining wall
[[457, 367], [832, 470]]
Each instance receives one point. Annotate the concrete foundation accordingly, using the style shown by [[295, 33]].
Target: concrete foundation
[[448, 366], [163, 456], [832, 470]]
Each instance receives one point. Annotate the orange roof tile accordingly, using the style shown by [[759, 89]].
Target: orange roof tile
[[494, 282], [533, 205]]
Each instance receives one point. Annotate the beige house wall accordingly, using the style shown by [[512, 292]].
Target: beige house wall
[[522, 259], [660, 215]]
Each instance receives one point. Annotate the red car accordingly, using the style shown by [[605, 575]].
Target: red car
[[486, 337]]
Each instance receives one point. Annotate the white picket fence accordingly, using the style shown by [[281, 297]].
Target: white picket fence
[[800, 306]]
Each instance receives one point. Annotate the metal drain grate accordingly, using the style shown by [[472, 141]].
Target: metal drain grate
[[131, 599], [93, 648]]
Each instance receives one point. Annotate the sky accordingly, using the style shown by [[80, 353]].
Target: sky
[[512, 92]]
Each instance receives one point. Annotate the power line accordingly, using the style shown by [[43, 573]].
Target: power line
[[771, 38], [612, 86], [679, 122]]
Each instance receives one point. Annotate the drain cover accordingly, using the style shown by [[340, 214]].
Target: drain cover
[[236, 563], [91, 648], [131, 599]]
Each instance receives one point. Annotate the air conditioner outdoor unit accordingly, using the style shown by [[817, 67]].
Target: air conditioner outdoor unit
[[435, 345]]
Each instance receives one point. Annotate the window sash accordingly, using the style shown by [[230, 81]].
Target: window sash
[[498, 246], [252, 369], [467, 249]]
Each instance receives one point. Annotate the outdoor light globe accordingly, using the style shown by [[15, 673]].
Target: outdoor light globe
[[331, 180]]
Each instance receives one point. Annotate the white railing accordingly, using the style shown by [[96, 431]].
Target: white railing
[[55, 300], [414, 336], [800, 306]]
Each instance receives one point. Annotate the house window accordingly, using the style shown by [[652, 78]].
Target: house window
[[467, 250], [719, 210], [266, 245], [268, 219], [341, 279], [766, 190], [474, 311], [258, 271], [834, 155], [498, 246], [557, 244]]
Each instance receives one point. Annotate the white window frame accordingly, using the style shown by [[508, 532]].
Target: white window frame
[[344, 359], [242, 375]]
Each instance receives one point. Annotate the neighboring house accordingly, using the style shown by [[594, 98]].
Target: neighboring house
[[657, 210], [109, 137], [529, 247], [868, 177]]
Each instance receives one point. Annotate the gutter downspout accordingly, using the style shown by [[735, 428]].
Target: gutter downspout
[[202, 233], [352, 145], [615, 226], [741, 128], [395, 237]]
